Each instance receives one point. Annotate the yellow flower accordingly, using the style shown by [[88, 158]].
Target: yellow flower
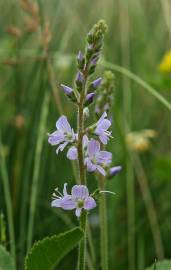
[[139, 141], [165, 65]]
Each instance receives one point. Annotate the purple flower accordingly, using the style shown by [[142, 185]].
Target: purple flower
[[96, 83], [68, 90], [79, 199], [101, 129], [114, 170], [96, 159], [63, 135], [73, 153], [89, 98]]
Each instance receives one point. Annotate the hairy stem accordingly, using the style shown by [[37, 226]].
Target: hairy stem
[[82, 246], [103, 226]]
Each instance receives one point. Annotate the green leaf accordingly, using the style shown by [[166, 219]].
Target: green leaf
[[47, 253], [6, 261], [163, 265]]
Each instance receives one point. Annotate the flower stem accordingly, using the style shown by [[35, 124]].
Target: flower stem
[[82, 245], [103, 226]]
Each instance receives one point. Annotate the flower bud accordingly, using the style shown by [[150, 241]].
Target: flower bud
[[96, 83], [86, 112], [68, 90], [89, 98], [114, 171], [80, 60], [79, 81]]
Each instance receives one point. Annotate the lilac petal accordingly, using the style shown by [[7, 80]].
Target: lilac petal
[[67, 203], [72, 153], [102, 118], [56, 137], [101, 170], [90, 166], [93, 148], [78, 212], [56, 203], [68, 90], [104, 138], [61, 147], [65, 189], [115, 170], [104, 156], [63, 125], [89, 203], [80, 192], [104, 124], [85, 141]]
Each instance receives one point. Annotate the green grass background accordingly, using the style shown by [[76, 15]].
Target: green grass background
[[139, 33]]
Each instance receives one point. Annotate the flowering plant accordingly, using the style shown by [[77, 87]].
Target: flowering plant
[[87, 144]]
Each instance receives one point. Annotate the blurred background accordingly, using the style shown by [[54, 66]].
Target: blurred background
[[38, 44]]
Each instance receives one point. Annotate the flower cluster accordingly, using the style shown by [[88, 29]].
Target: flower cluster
[[88, 143]]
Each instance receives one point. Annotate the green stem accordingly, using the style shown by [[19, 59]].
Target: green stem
[[82, 245], [6, 187], [103, 227]]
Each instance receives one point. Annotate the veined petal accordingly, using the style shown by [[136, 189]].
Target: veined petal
[[90, 166], [104, 125], [56, 137], [72, 153], [67, 203], [85, 141], [65, 189], [56, 203], [80, 192], [104, 156], [61, 147], [104, 138], [101, 170], [63, 124], [93, 148], [89, 203], [102, 118], [78, 212]]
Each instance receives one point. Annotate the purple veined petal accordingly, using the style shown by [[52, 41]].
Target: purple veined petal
[[56, 137], [104, 138], [102, 118], [67, 203], [104, 124], [56, 203], [115, 170], [62, 124], [90, 166], [89, 203], [78, 212], [79, 192], [101, 170], [65, 190], [93, 148], [68, 90], [72, 153], [61, 147], [104, 156]]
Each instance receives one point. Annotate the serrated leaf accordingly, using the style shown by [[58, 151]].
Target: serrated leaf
[[163, 265], [6, 261], [47, 253]]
